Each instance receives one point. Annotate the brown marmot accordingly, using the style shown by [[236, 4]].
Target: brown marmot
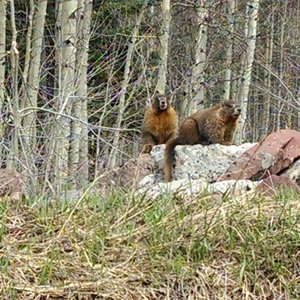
[[160, 123], [206, 126]]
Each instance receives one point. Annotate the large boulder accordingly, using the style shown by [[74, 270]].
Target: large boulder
[[198, 161], [273, 155]]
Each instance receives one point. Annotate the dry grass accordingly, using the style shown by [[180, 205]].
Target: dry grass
[[124, 247]]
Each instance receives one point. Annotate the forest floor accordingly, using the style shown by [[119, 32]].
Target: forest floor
[[128, 247]]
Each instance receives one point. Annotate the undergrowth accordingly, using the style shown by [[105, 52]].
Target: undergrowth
[[124, 246]]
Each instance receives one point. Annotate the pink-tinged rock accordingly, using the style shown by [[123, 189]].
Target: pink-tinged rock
[[270, 184], [274, 154]]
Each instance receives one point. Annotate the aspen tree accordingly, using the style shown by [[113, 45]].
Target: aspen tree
[[227, 74], [164, 47], [267, 76], [33, 78], [14, 101], [253, 7], [198, 70], [281, 49], [79, 145], [67, 52]]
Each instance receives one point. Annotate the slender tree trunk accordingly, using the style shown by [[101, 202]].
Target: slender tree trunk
[[31, 75], [28, 43], [198, 70], [227, 75], [255, 103], [253, 6], [234, 85], [236, 88], [33, 78], [79, 146], [53, 130], [164, 47], [195, 90], [66, 46], [122, 105], [14, 103], [267, 78], [2, 63], [281, 51]]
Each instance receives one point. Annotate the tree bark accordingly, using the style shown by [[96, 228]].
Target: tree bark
[[33, 79], [67, 49], [164, 47], [267, 78], [280, 104], [227, 74], [198, 71], [14, 103], [79, 146], [253, 7], [28, 42]]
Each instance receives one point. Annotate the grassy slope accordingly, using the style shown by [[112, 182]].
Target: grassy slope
[[124, 247]]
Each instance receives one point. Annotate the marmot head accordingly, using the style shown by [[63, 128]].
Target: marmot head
[[230, 110], [161, 102]]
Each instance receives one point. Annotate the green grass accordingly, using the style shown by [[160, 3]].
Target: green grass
[[128, 247]]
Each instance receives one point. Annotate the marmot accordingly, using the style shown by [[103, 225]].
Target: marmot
[[160, 123], [206, 126]]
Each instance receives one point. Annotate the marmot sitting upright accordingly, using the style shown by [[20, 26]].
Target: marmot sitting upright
[[160, 123], [206, 126]]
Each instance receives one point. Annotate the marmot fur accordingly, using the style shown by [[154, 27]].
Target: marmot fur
[[160, 123]]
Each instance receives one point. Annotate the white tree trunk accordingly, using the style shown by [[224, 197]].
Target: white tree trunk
[[236, 85], [253, 6], [227, 74], [66, 45], [198, 70], [28, 42], [14, 103], [79, 146], [164, 47], [122, 105], [33, 79]]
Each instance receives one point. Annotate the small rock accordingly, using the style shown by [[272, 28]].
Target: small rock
[[270, 184], [187, 188], [293, 172], [11, 184], [130, 174]]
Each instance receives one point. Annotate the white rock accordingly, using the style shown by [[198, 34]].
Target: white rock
[[198, 161], [185, 187], [233, 186]]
